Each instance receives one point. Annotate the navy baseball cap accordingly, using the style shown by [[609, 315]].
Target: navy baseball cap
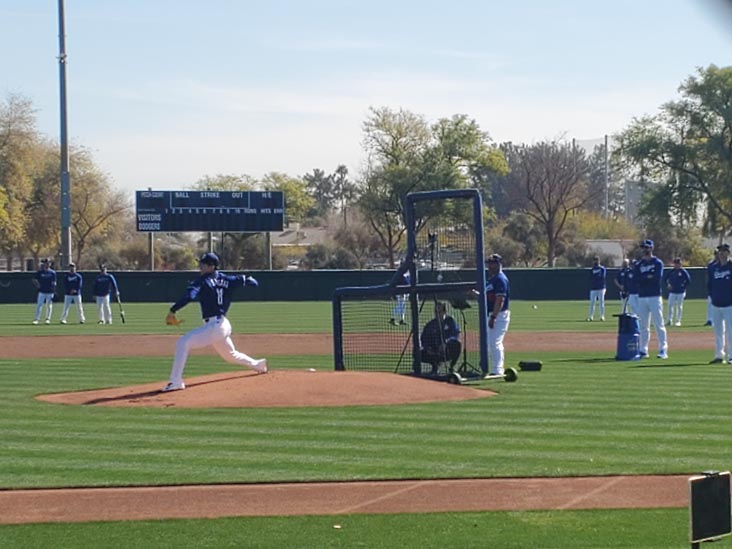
[[495, 258], [723, 247], [647, 243], [209, 258]]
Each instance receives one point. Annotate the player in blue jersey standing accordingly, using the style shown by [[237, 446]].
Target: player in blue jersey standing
[[497, 291], [598, 275], [104, 285], [213, 289], [72, 294], [720, 292], [397, 315], [45, 282], [710, 267], [621, 283], [649, 277], [677, 280]]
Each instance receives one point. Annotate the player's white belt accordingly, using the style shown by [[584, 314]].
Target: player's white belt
[[217, 317]]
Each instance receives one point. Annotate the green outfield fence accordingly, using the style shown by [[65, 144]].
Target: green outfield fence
[[146, 286]]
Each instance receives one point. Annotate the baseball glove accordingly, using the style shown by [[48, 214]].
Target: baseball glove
[[172, 320]]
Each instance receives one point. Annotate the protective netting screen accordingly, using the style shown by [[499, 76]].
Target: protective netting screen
[[374, 338], [445, 237]]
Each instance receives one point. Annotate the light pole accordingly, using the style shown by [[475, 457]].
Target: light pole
[[65, 176]]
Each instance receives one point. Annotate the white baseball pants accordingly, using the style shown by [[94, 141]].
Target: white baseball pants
[[632, 303], [651, 309], [400, 307], [75, 299], [495, 342], [216, 332], [722, 323], [44, 299], [709, 309], [103, 309], [597, 296], [675, 307]]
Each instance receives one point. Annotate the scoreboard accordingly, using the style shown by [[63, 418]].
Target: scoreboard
[[210, 211]]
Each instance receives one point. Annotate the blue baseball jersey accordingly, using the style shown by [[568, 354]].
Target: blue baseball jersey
[[104, 284], [622, 277], [46, 281], [678, 279], [72, 283], [213, 291], [438, 331], [710, 268], [497, 285], [597, 277], [720, 284], [649, 276]]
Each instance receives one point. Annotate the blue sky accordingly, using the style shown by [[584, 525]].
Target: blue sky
[[164, 92]]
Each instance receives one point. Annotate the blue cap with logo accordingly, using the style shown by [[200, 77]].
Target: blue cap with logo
[[647, 243], [209, 258]]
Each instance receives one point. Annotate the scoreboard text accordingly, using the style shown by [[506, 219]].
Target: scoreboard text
[[210, 211]]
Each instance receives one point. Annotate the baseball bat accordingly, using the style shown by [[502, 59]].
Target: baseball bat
[[121, 310]]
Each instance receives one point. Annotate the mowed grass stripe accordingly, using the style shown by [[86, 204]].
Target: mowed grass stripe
[[297, 317], [579, 415]]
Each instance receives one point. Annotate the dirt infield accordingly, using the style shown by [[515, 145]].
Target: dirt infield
[[303, 344], [305, 388]]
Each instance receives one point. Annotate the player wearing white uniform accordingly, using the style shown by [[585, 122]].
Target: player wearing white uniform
[[400, 308], [598, 275], [45, 281], [104, 285], [213, 290], [72, 294], [720, 292], [710, 267], [497, 291], [677, 280], [649, 276]]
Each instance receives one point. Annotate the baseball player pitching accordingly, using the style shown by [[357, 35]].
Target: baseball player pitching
[[213, 289], [45, 282], [72, 294], [648, 278]]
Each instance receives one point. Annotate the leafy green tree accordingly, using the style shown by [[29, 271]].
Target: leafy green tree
[[321, 188], [18, 140], [96, 205], [298, 201], [225, 182], [408, 155], [687, 147], [548, 181]]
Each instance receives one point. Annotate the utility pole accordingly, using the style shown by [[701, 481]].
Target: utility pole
[[65, 175], [607, 179]]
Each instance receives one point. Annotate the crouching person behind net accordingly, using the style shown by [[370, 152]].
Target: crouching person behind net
[[440, 339]]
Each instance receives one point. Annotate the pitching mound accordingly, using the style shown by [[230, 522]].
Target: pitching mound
[[279, 388]]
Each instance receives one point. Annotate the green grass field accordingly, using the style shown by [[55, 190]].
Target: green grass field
[[583, 414]]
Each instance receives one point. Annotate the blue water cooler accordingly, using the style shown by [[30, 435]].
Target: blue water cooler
[[628, 337]]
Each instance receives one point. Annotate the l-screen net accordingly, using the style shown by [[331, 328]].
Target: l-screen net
[[373, 331]]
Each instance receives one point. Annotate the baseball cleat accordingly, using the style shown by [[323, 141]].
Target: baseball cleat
[[35, 322], [100, 322], [663, 355], [48, 321], [708, 323], [63, 322], [716, 360], [678, 324], [173, 387], [260, 366]]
